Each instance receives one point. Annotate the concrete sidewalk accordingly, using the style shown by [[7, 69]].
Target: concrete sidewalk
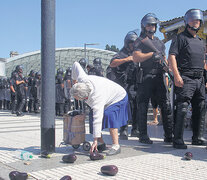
[[136, 161]]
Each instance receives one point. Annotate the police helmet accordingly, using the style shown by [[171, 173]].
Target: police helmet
[[82, 62], [149, 18], [4, 80], [68, 71], [37, 74], [19, 68], [60, 71], [193, 14], [13, 73], [97, 62], [130, 38], [32, 73]]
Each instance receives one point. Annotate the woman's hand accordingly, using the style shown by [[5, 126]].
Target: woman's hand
[[94, 145]]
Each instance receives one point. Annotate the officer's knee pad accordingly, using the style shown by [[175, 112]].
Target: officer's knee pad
[[167, 107], [202, 104], [183, 106], [23, 101]]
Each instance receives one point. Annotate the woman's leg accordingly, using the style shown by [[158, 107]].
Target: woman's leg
[[114, 135]]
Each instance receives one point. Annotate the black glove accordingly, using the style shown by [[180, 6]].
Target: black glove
[[157, 56]]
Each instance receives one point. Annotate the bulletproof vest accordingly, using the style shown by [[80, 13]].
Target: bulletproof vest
[[110, 74], [19, 77], [191, 52], [59, 79], [31, 81], [149, 64], [121, 72], [4, 84], [66, 77], [1, 85], [8, 85], [97, 70]]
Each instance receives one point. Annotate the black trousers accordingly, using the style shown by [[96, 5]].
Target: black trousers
[[193, 91], [20, 101], [154, 86]]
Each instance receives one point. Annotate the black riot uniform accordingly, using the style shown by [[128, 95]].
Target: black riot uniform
[[189, 52], [1, 93], [30, 91], [7, 95], [19, 79], [26, 90], [123, 75], [97, 68], [13, 89], [67, 87], [60, 97], [37, 92], [152, 82], [4, 89]]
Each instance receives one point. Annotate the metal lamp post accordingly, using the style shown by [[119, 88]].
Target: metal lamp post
[[88, 44]]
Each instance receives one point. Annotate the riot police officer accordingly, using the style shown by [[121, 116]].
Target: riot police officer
[[30, 90], [13, 92], [152, 82], [26, 90], [186, 57], [1, 93], [67, 86], [4, 89], [19, 80], [97, 68], [7, 94], [60, 98], [37, 92], [122, 66], [83, 63]]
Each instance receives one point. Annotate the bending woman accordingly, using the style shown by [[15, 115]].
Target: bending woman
[[108, 101]]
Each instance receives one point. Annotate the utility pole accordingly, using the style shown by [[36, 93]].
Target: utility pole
[[48, 76]]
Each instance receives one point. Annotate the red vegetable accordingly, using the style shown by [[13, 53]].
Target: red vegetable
[[96, 156], [16, 175], [71, 158], [110, 170], [66, 178]]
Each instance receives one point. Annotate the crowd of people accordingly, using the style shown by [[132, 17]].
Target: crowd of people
[[137, 74], [20, 94]]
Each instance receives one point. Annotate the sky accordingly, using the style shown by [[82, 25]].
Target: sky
[[82, 21]]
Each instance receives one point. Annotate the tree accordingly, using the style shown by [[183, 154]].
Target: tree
[[112, 48]]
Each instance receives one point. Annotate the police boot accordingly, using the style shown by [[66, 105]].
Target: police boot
[[30, 105], [19, 109], [167, 122], [0, 104], [181, 112], [8, 105], [198, 120], [36, 106], [13, 107], [135, 130], [4, 104], [123, 132], [61, 106], [142, 124]]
